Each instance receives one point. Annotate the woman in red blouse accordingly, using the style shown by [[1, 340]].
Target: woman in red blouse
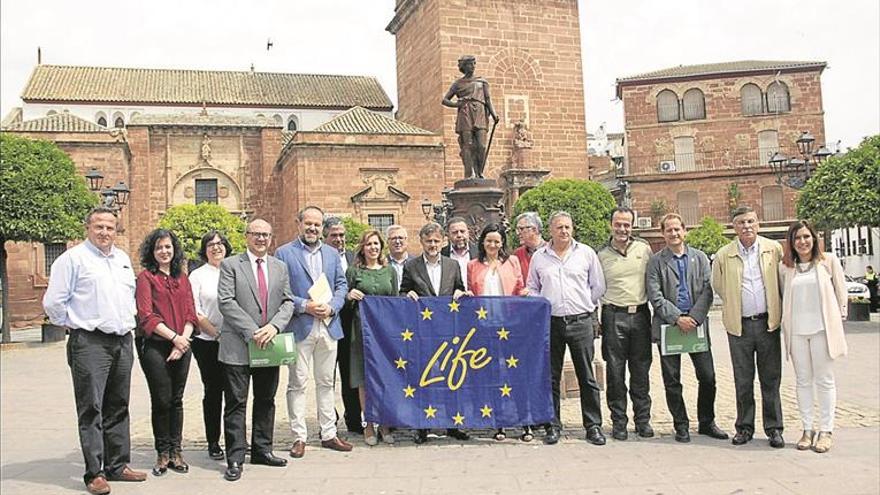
[[166, 319]]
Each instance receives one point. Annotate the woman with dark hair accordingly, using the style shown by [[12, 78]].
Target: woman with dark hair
[[495, 273], [814, 304], [204, 280], [166, 318], [370, 275]]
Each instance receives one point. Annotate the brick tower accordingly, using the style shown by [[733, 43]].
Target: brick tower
[[529, 51]]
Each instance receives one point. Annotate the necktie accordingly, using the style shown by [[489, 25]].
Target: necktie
[[264, 290]]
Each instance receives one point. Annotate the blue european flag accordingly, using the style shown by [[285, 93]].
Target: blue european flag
[[479, 362]]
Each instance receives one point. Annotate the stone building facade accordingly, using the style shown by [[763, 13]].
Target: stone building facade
[[699, 138]]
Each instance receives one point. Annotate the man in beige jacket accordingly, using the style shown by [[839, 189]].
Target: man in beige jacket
[[745, 275]]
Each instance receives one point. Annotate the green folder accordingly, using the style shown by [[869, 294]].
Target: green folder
[[280, 351], [674, 341]]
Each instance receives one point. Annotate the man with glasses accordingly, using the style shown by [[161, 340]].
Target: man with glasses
[[317, 328], [528, 230], [745, 275], [247, 318], [397, 249]]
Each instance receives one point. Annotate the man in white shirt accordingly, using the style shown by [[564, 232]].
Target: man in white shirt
[[397, 238], [459, 248], [91, 292]]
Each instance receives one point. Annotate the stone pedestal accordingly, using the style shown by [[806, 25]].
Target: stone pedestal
[[478, 201], [516, 181]]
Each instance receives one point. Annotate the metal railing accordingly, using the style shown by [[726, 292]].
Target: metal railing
[[700, 161]]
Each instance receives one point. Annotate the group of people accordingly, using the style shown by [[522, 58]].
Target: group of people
[[236, 299]]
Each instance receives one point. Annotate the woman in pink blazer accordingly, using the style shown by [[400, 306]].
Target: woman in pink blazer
[[495, 273], [814, 304]]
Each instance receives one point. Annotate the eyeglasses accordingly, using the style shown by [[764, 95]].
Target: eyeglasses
[[215, 244], [260, 235]]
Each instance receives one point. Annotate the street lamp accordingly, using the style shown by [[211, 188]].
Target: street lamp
[[437, 212], [795, 172], [111, 197]]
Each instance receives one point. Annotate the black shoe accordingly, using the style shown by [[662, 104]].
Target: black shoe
[[645, 430], [595, 436], [215, 452], [357, 430], [420, 437], [619, 433], [233, 471], [742, 438], [776, 440], [552, 435], [457, 434], [682, 435], [712, 430], [269, 459]]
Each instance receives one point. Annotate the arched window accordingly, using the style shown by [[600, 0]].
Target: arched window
[[768, 144], [772, 205], [689, 207], [777, 98], [119, 123], [685, 158], [667, 106], [51, 113], [278, 120], [101, 119], [291, 123], [752, 100], [694, 104]]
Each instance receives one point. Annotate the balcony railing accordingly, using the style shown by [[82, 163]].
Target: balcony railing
[[701, 161]]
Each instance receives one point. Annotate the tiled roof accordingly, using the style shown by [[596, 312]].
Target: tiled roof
[[721, 68], [60, 122], [195, 119], [286, 136], [359, 120], [171, 86]]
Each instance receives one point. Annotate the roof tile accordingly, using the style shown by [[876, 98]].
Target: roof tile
[[359, 120], [60, 122], [720, 68]]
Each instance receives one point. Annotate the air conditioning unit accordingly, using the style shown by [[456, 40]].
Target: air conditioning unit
[[643, 222], [667, 166]]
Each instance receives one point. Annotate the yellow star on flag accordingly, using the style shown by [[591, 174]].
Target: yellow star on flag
[[511, 361], [426, 314], [481, 313], [453, 306], [487, 411], [409, 392], [406, 334], [503, 333], [505, 390], [430, 412], [401, 363], [458, 419]]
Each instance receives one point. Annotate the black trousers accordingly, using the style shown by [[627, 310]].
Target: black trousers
[[626, 342], [100, 365], [238, 379], [350, 399], [704, 368], [757, 342], [166, 381], [211, 371], [577, 334]]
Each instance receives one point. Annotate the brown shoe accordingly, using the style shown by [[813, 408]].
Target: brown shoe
[[298, 450], [177, 463], [98, 486], [337, 444], [129, 474]]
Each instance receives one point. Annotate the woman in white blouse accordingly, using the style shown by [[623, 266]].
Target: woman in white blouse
[[204, 282], [814, 304]]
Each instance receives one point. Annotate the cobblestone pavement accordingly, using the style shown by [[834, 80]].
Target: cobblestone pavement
[[39, 450]]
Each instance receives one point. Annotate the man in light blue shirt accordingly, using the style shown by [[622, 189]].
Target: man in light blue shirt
[[91, 292]]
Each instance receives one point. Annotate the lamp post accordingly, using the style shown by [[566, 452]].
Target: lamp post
[[115, 197], [794, 172], [436, 212]]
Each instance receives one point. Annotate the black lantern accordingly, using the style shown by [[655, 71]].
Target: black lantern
[[121, 191], [795, 172], [95, 178]]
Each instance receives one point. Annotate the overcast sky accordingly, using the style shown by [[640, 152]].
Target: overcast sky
[[619, 38]]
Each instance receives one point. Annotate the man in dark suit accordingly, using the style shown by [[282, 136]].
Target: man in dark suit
[[317, 327], [254, 297], [432, 274], [334, 236], [677, 285], [459, 248]]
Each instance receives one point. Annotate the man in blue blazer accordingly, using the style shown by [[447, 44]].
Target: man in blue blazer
[[308, 259]]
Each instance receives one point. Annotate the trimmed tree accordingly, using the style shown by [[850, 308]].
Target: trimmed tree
[[42, 199], [589, 204], [191, 222], [708, 237], [845, 190]]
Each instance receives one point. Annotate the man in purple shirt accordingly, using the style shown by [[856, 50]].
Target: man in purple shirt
[[569, 275]]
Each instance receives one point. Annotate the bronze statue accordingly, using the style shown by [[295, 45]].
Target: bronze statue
[[471, 122]]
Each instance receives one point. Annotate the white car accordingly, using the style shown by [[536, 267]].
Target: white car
[[856, 289]]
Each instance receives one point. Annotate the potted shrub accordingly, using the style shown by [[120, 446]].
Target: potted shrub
[[859, 309]]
